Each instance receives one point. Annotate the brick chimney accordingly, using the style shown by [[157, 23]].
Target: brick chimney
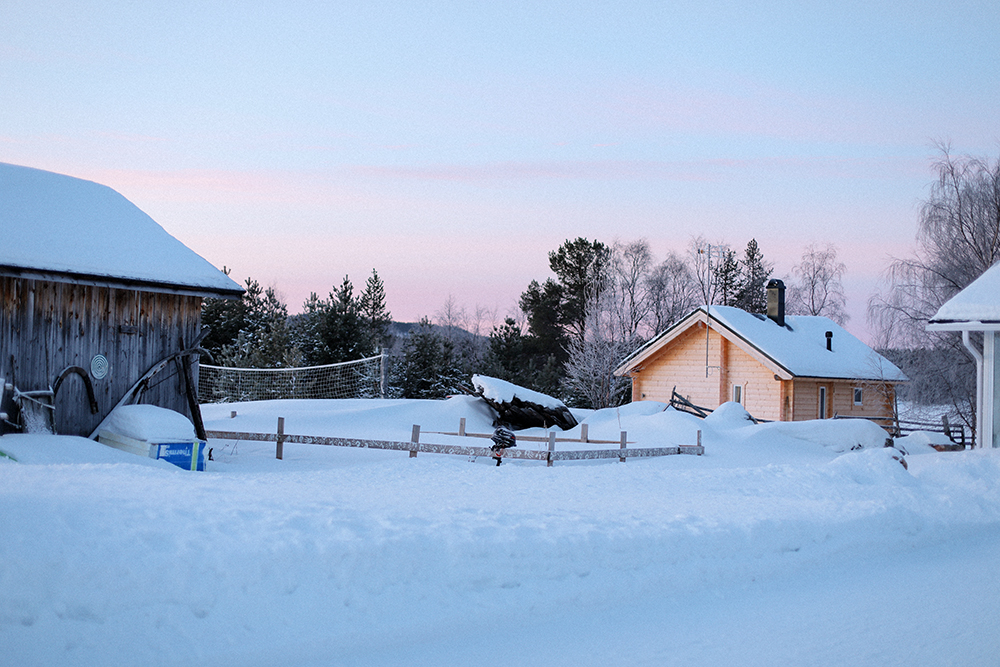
[[776, 301]]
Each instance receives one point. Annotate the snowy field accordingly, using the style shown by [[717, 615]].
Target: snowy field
[[782, 545]]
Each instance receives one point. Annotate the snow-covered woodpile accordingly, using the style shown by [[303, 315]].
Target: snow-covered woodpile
[[518, 407]]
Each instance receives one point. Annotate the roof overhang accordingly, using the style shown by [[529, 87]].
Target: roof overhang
[[958, 325], [119, 283], [700, 316]]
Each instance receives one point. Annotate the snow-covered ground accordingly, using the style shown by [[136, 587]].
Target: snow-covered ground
[[782, 545]]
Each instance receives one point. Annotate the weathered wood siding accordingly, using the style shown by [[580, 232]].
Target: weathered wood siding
[[46, 327]]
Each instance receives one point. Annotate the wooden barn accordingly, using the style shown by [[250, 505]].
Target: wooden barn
[[95, 294], [779, 368]]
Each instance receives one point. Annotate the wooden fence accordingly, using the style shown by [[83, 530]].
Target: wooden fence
[[550, 455]]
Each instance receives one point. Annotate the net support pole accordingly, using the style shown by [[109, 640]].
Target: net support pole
[[383, 381], [552, 449], [624, 442]]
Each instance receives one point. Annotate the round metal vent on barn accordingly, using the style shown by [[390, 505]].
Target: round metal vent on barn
[[99, 366]]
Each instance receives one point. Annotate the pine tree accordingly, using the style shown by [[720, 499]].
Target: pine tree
[[249, 332], [375, 317], [581, 267], [753, 277], [428, 368], [543, 306], [306, 331], [342, 331], [506, 353], [726, 275]]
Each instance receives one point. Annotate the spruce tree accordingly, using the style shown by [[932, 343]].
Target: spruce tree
[[754, 274], [428, 367], [375, 317], [726, 275]]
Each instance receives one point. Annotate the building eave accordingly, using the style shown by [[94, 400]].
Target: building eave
[[963, 325], [119, 283]]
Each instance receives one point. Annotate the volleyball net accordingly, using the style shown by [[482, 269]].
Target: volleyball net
[[364, 378]]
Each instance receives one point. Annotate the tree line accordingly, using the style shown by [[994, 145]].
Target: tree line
[[602, 301], [565, 339]]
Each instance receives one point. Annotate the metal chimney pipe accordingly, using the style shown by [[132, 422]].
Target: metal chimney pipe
[[776, 301], [829, 340]]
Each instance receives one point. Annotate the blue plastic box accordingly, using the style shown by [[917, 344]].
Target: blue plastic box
[[187, 455]]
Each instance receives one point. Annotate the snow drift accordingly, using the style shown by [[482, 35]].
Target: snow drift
[[781, 545]]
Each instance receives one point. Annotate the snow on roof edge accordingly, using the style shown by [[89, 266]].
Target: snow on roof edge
[[59, 224]]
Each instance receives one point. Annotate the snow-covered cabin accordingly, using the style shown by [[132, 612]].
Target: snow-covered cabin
[[94, 292], [779, 368], [977, 309]]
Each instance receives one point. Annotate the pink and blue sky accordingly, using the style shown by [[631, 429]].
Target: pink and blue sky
[[452, 145]]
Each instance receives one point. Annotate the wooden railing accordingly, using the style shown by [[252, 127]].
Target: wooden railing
[[900, 427], [549, 455]]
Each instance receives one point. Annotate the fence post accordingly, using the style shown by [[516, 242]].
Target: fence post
[[699, 437], [415, 438], [947, 427], [621, 457], [461, 426], [584, 432], [552, 449], [279, 448]]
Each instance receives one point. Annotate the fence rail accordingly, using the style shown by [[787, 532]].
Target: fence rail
[[280, 438], [900, 427]]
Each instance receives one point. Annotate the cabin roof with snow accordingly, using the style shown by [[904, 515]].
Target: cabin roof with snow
[[977, 305], [798, 349], [56, 227]]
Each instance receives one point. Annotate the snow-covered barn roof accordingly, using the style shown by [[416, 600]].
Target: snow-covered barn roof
[[797, 349], [976, 307], [63, 228]]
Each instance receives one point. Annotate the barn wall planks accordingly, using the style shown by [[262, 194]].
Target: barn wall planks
[[48, 326]]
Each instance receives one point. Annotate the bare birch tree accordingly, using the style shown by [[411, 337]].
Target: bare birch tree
[[590, 380], [957, 240], [627, 299], [672, 292], [817, 289]]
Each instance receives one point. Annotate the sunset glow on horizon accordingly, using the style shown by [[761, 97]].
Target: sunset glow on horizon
[[450, 147]]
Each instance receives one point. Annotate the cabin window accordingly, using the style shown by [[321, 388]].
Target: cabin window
[[858, 396], [822, 403], [737, 393]]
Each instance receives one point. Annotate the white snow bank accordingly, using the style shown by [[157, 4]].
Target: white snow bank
[[502, 391], [50, 450], [150, 423], [729, 415], [770, 549], [922, 442]]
